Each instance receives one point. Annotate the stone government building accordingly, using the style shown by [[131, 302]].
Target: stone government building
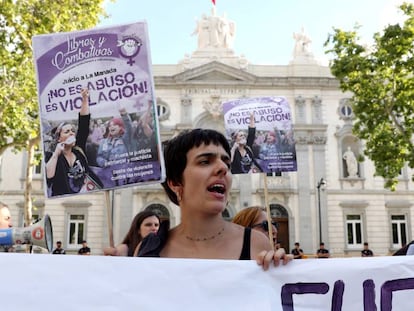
[[354, 206]]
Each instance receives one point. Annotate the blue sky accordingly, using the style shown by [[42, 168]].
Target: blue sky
[[264, 28]]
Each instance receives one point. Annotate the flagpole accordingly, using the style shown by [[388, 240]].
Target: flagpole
[[109, 209], [268, 215]]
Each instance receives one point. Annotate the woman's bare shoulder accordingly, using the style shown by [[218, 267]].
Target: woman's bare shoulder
[[260, 242]]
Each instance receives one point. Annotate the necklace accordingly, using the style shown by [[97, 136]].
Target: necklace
[[205, 239]]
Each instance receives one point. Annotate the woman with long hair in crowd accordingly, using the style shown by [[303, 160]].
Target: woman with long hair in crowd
[[255, 217], [144, 223]]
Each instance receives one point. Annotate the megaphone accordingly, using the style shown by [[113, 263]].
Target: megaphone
[[39, 234]]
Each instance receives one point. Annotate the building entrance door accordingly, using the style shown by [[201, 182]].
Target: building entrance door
[[281, 216], [283, 232]]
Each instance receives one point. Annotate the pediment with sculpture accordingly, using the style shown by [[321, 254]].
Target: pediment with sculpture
[[215, 72]]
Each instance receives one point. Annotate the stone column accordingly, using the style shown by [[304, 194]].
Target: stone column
[[316, 110], [300, 105], [186, 109]]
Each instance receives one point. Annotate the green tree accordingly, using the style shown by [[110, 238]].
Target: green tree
[[19, 113], [380, 78]]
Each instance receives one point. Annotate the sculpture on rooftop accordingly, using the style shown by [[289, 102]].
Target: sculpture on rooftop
[[215, 31], [303, 43]]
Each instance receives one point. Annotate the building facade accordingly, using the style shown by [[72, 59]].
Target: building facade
[[333, 197]]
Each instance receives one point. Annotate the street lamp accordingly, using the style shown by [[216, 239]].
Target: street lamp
[[321, 183]]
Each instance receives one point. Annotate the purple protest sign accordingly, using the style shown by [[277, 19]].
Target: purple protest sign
[[113, 140], [261, 134]]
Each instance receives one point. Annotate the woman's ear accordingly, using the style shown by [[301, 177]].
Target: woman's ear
[[174, 186]]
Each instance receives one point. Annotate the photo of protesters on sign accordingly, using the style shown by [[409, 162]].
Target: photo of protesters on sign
[[261, 135], [97, 109]]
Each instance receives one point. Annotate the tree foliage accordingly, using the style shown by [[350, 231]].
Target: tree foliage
[[19, 113], [19, 21], [381, 80]]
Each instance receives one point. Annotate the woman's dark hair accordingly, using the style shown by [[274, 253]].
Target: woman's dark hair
[[176, 149], [55, 133], [133, 237]]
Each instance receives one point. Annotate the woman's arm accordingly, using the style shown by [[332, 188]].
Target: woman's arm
[[102, 156], [127, 136], [83, 121], [233, 150], [251, 135], [85, 103], [252, 120], [52, 162]]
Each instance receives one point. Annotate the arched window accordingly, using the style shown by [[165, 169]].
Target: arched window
[[163, 110], [226, 214], [160, 210], [278, 211], [281, 215]]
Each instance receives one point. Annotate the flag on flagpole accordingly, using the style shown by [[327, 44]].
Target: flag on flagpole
[[214, 2]]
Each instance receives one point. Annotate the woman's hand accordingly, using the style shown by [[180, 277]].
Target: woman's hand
[[110, 251], [85, 94], [59, 149], [119, 250], [235, 146], [266, 257]]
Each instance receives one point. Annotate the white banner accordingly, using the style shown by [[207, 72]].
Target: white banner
[[50, 282]]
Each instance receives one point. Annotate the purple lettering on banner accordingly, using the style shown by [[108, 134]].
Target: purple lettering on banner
[[369, 295], [338, 295], [391, 286], [300, 288]]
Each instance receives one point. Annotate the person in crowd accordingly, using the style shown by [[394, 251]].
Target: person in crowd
[[5, 223], [278, 244], [67, 169], [59, 250], [84, 250], [287, 143], [198, 180], [144, 223], [270, 148], [96, 134], [410, 250], [5, 217], [144, 132], [322, 252], [404, 250], [297, 252], [113, 151], [255, 217], [366, 252], [117, 141], [242, 157]]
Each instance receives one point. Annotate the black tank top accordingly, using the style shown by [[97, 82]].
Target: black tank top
[[245, 252], [152, 245]]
